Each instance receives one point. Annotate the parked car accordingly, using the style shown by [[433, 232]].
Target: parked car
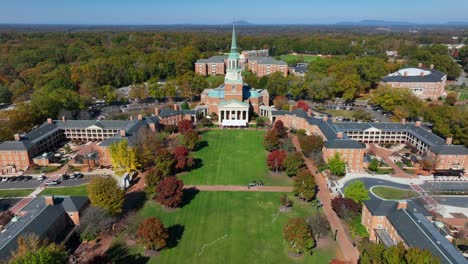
[[41, 178], [4, 179], [52, 183], [65, 177], [27, 178], [78, 175], [20, 178], [12, 178]]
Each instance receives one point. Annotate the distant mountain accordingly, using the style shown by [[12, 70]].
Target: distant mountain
[[375, 23], [457, 23]]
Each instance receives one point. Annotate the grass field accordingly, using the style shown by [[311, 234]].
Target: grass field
[[340, 113], [393, 193], [228, 227], [298, 58], [79, 190], [15, 193], [356, 227], [232, 157]]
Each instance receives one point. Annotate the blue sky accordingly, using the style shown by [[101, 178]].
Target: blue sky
[[217, 11]]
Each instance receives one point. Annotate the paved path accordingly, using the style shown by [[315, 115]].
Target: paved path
[[237, 188], [349, 252], [385, 154]]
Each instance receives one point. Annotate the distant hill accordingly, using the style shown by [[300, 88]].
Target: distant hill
[[375, 23]]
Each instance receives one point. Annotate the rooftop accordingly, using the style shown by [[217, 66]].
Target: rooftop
[[415, 75]]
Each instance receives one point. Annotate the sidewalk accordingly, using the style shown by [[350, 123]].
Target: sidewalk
[[237, 188], [349, 252]]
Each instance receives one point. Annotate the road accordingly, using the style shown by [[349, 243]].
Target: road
[[457, 201], [33, 183]]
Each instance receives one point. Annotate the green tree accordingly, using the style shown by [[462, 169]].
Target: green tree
[[293, 163], [5, 95], [165, 162], [304, 185], [190, 139], [336, 165], [374, 165], [357, 191], [123, 158], [417, 255], [104, 192], [152, 179], [298, 236]]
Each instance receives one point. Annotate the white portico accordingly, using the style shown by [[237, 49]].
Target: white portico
[[233, 113]]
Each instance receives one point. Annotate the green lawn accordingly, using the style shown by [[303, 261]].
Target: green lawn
[[290, 59], [340, 113], [393, 193], [356, 228], [232, 157], [228, 227], [15, 193], [79, 190]]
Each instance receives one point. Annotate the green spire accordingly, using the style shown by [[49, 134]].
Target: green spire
[[233, 41]]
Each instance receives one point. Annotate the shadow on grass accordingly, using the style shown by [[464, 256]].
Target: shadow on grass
[[134, 201], [197, 163], [188, 196], [201, 145], [175, 234], [119, 253]]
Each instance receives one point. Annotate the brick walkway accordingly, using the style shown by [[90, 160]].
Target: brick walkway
[[429, 200], [385, 154], [237, 188], [348, 252]]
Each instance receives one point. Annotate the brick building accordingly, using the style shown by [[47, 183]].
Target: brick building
[[215, 65], [348, 138], [424, 83], [50, 218], [264, 66], [392, 222], [234, 100]]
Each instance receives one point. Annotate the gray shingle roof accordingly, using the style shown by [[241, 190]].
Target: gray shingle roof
[[213, 59], [39, 219], [450, 150], [344, 144], [268, 60]]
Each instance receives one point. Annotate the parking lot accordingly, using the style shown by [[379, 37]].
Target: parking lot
[[33, 182]]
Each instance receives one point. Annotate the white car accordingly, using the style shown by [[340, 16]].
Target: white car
[[4, 179], [41, 178]]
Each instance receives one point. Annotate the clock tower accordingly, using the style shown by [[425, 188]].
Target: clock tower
[[233, 83]]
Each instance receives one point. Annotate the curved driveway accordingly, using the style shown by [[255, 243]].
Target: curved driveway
[[457, 201]]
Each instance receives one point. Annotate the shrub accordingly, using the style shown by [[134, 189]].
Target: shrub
[[345, 208], [285, 201], [206, 122]]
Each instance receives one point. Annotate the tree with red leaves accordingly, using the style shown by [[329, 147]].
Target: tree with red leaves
[[280, 129], [302, 105], [152, 234], [181, 154], [170, 192], [345, 208], [185, 125], [275, 160]]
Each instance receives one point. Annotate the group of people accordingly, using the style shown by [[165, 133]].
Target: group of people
[[255, 183]]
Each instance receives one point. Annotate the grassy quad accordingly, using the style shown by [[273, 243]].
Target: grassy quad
[[9, 193], [390, 193], [232, 157], [246, 227], [79, 190], [289, 58]]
